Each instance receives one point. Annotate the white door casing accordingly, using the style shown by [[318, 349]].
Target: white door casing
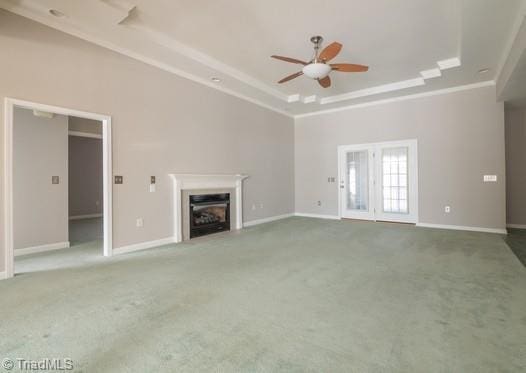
[[391, 177]]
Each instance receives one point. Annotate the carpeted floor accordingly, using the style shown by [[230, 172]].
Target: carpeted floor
[[294, 295], [85, 237], [85, 230], [516, 240]]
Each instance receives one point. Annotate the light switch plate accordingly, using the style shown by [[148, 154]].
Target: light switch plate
[[152, 188], [490, 178]]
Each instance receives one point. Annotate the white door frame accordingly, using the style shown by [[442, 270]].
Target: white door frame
[[9, 105], [413, 181]]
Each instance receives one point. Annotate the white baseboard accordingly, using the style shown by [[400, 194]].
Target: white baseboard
[[318, 216], [516, 226], [143, 245], [42, 248], [3, 275], [462, 228], [89, 216], [266, 220]]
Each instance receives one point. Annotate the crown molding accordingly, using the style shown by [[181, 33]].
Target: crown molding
[[206, 60], [74, 31], [438, 92], [396, 86], [184, 50]]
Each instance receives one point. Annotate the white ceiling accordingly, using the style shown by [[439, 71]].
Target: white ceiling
[[233, 40]]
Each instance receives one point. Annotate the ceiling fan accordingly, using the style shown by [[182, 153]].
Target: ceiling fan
[[317, 68]]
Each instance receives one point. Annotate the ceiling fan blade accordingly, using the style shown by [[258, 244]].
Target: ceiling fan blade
[[288, 59], [349, 67], [325, 82], [330, 51], [290, 77]]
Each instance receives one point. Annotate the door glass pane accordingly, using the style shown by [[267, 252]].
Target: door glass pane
[[358, 180], [395, 179]]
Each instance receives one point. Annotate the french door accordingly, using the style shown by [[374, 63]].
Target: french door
[[379, 181]]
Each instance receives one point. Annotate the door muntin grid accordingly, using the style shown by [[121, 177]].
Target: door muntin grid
[[395, 189]]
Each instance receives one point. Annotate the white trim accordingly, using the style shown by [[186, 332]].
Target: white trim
[[69, 29], [143, 245], [317, 216], [375, 192], [516, 226], [88, 216], [40, 14], [508, 46], [462, 228], [449, 63], [266, 220], [437, 92], [42, 248], [85, 134], [431, 73], [189, 52], [9, 104], [384, 88]]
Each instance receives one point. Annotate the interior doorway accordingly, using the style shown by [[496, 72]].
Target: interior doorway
[[37, 186], [379, 181], [85, 181]]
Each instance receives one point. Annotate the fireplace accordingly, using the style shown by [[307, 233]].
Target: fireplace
[[209, 213]]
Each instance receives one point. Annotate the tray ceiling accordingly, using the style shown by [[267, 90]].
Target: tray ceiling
[[411, 46]]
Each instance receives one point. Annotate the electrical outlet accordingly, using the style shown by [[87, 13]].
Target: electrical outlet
[[152, 188], [447, 209], [319, 203], [55, 180], [119, 179], [152, 179], [139, 223]]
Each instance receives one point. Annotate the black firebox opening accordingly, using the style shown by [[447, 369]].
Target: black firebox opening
[[209, 213]]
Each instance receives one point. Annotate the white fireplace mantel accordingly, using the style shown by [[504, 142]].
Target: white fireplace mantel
[[196, 181]]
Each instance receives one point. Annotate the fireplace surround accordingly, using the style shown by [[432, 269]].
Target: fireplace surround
[[185, 185]]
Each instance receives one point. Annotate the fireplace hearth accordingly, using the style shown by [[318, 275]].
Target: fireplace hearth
[[209, 213]]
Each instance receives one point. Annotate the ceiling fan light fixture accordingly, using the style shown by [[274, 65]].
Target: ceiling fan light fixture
[[317, 70]]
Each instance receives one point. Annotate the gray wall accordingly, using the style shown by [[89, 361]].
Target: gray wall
[[85, 176], [161, 124], [40, 151], [460, 138], [516, 166]]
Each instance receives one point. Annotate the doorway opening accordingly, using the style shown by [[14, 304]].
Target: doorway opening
[[379, 181], [42, 192]]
